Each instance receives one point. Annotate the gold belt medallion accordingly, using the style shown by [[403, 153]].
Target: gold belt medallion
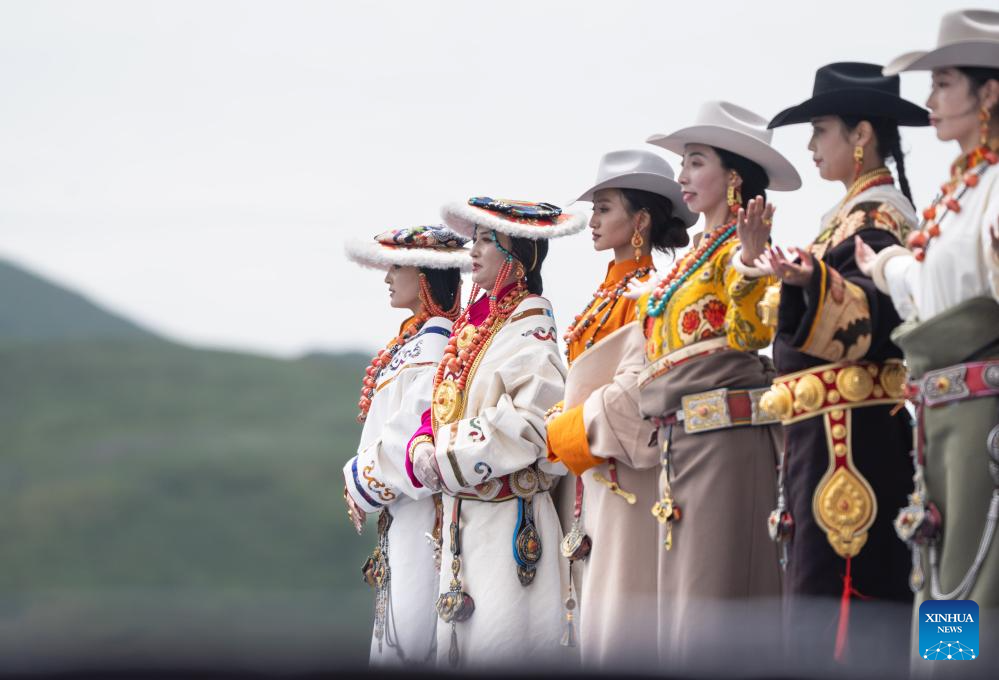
[[844, 504]]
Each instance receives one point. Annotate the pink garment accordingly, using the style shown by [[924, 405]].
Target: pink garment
[[477, 313]]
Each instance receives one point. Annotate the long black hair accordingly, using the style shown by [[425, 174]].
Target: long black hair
[[444, 285], [888, 143], [754, 178], [667, 231], [530, 253]]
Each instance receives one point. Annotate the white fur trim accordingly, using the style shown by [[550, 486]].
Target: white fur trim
[[463, 219], [377, 256], [745, 269]]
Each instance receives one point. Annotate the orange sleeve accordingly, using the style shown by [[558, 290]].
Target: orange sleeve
[[567, 442]]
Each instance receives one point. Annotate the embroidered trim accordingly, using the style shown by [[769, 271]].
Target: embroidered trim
[[357, 485]]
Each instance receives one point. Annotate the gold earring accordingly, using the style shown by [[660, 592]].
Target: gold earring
[[858, 161], [519, 272], [637, 242], [734, 199], [983, 126]]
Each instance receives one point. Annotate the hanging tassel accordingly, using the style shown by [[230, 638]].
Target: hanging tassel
[[844, 615], [453, 655], [569, 636]]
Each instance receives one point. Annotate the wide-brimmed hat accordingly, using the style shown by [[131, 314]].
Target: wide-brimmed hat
[[854, 89], [643, 170], [431, 246], [968, 37], [522, 219], [737, 130]]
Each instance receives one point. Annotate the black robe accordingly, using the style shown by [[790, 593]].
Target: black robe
[[880, 442]]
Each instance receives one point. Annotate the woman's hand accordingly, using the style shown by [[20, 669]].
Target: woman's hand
[[423, 466], [356, 515], [753, 224], [865, 256], [792, 273]]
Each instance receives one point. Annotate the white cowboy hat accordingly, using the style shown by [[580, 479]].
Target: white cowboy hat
[[968, 37], [522, 219], [433, 247], [740, 131], [642, 170]]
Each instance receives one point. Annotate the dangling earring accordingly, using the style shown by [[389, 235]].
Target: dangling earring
[[519, 273], [637, 242], [858, 161], [983, 127], [734, 199]]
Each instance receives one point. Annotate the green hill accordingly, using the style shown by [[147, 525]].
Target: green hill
[[32, 308], [165, 504]]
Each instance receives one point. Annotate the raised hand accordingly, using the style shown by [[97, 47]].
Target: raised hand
[[792, 273], [753, 224], [864, 255]]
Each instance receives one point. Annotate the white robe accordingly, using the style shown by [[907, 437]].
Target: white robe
[[502, 430], [376, 479], [960, 263]]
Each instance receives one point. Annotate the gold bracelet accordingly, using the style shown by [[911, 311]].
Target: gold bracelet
[[557, 408], [416, 441]]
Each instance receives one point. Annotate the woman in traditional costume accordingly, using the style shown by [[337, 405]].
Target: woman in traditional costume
[[846, 467], [947, 289], [718, 573], [483, 445], [598, 432], [423, 274]]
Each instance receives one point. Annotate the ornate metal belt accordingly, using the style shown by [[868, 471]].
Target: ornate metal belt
[[717, 410], [832, 387]]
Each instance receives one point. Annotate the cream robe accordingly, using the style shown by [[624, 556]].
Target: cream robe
[[376, 479], [502, 430], [618, 591], [960, 263]]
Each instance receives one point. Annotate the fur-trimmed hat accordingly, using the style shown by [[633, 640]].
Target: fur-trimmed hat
[[521, 219], [431, 246]]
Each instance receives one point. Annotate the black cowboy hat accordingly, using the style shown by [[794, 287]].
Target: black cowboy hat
[[854, 89]]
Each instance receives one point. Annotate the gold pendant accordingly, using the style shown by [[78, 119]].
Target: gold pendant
[[615, 488], [666, 511], [465, 336], [447, 402], [844, 504]]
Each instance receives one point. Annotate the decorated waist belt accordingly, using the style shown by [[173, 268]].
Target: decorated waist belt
[[920, 522], [717, 410], [522, 484], [830, 387]]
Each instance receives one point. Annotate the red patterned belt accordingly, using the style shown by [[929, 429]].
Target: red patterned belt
[[718, 409], [520, 484], [832, 387], [956, 383]]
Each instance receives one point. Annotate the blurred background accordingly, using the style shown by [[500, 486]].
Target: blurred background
[[181, 339]]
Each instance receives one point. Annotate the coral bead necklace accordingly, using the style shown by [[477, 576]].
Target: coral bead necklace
[[607, 297], [383, 359], [685, 268], [965, 175], [468, 340]]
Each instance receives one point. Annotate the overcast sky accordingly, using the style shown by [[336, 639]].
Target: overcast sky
[[196, 166]]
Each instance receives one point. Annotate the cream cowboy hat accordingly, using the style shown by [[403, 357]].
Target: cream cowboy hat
[[740, 131], [641, 170], [535, 221], [967, 37], [433, 247]]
